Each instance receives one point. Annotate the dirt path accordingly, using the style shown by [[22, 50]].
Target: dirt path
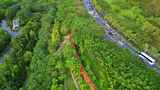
[[83, 73]]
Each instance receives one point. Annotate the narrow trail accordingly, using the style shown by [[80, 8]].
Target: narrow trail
[[87, 78], [83, 73], [75, 82]]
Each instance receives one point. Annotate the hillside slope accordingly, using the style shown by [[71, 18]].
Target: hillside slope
[[137, 20], [44, 57]]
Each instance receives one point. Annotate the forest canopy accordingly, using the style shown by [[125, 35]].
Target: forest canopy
[[61, 47]]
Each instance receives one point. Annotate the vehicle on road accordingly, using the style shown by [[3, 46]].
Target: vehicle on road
[[148, 59]]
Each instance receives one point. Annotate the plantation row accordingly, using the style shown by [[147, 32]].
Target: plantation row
[[38, 61]]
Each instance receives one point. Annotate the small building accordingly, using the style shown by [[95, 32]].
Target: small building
[[16, 25]]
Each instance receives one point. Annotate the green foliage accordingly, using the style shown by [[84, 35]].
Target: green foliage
[[151, 7], [11, 12], [38, 62], [130, 18], [38, 77], [4, 39], [2, 13], [16, 62]]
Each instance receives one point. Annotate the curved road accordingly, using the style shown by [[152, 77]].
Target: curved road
[[112, 35], [6, 28]]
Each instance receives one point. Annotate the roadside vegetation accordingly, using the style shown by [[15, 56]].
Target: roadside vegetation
[[4, 39], [43, 58], [137, 20]]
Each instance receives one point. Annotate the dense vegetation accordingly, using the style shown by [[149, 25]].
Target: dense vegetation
[[151, 8], [137, 20], [39, 61], [4, 39]]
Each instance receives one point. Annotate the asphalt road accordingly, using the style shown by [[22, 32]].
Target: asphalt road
[[112, 34], [6, 28]]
